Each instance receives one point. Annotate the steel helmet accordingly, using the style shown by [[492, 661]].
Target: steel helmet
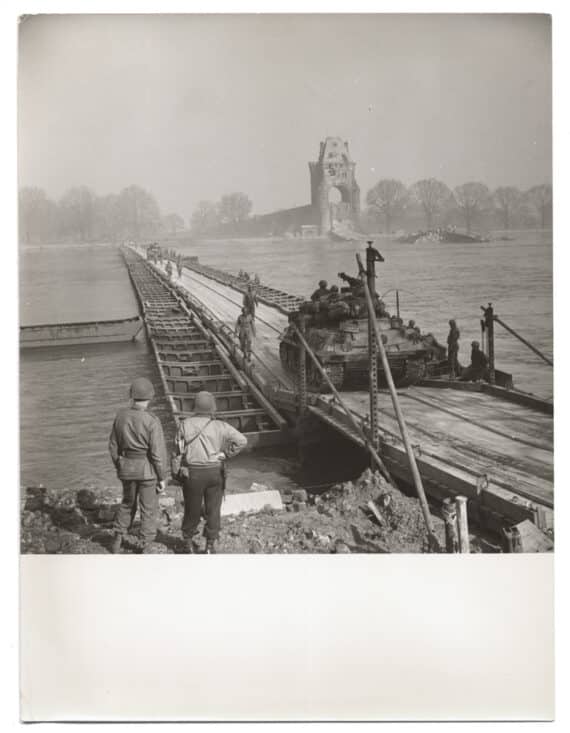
[[205, 403], [142, 389]]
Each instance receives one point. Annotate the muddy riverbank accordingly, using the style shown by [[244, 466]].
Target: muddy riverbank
[[338, 520]]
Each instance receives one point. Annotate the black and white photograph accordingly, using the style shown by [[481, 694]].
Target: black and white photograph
[[285, 303], [285, 288]]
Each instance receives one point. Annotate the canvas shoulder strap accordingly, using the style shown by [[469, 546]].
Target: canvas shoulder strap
[[186, 444]]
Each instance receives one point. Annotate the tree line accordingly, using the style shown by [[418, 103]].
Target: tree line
[[80, 215], [432, 203]]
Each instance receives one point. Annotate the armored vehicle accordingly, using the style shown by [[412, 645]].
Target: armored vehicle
[[337, 332]]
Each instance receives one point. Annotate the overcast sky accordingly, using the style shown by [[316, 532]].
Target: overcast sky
[[192, 107]]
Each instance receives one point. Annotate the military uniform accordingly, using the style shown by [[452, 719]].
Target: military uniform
[[204, 443], [250, 302], [138, 452], [453, 348], [245, 329]]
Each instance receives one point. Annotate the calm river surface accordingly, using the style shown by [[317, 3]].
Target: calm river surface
[[68, 396]]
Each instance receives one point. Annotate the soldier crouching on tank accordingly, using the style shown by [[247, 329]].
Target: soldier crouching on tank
[[477, 370], [138, 452], [203, 444]]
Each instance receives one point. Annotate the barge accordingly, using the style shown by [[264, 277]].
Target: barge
[[71, 334]]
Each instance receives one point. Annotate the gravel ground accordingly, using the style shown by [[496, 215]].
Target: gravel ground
[[337, 521]]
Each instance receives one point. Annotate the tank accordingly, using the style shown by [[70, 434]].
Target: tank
[[338, 335]]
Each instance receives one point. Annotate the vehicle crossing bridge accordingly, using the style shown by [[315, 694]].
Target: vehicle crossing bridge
[[492, 445]]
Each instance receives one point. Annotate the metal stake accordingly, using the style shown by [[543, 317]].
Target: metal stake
[[434, 542]]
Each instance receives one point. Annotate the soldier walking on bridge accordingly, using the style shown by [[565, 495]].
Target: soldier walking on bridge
[[250, 301], [179, 266], [203, 444], [245, 330], [138, 453], [169, 269]]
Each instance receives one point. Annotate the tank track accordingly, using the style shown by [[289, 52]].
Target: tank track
[[413, 372]]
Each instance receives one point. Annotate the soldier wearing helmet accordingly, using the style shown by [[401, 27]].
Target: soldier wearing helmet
[[321, 292], [453, 348], [477, 370], [203, 444], [138, 453]]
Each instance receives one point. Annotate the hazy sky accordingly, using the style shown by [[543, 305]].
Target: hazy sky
[[192, 107]]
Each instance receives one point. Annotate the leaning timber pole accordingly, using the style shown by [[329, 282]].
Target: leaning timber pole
[[372, 351], [363, 436], [523, 340], [399, 415]]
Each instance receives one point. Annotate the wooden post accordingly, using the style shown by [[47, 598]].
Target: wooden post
[[434, 542], [302, 370], [450, 518], [462, 526], [372, 362], [490, 325]]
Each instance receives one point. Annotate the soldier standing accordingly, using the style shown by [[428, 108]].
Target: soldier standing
[[204, 444], [250, 301], [245, 330], [169, 269], [321, 292], [453, 349], [138, 452]]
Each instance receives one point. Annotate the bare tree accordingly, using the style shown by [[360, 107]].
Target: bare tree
[[432, 195], [204, 218], [540, 198], [77, 207], [507, 200], [36, 214], [472, 198], [138, 212], [108, 217], [173, 223], [389, 197], [235, 207]]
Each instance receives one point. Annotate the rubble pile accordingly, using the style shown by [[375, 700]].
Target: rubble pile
[[366, 516]]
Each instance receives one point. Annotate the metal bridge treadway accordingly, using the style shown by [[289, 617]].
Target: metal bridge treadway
[[189, 360]]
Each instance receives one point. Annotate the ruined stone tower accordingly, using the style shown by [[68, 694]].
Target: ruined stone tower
[[334, 170]]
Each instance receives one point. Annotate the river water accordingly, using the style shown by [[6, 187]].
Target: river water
[[69, 395]]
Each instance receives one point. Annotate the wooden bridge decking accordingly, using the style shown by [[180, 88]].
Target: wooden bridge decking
[[495, 451]]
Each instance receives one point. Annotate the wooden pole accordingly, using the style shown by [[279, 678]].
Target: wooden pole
[[400, 417], [524, 341], [353, 422], [490, 326], [462, 526], [302, 372], [450, 518]]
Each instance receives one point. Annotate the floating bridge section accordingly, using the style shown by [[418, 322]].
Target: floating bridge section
[[191, 357]]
